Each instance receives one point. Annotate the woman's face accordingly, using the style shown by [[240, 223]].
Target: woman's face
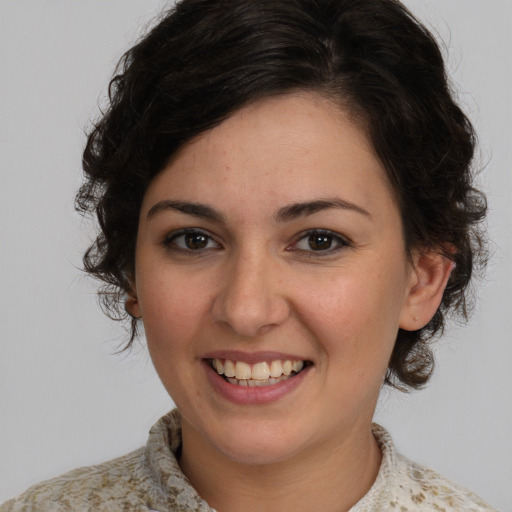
[[272, 241]]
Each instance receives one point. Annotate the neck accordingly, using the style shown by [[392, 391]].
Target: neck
[[332, 477]]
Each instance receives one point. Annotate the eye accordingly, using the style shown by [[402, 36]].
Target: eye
[[191, 240], [319, 241]]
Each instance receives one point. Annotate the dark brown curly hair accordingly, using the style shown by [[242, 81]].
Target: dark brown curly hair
[[205, 59]]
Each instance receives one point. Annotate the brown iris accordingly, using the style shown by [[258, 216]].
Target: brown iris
[[319, 242], [195, 241]]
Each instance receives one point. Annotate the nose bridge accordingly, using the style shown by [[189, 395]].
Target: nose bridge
[[250, 301]]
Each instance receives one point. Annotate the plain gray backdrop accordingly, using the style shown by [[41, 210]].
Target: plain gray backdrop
[[65, 399]]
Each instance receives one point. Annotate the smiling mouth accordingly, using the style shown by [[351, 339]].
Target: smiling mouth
[[259, 374]]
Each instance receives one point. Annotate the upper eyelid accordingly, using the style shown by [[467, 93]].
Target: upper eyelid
[[329, 232], [170, 236], [184, 231], [343, 240], [341, 244]]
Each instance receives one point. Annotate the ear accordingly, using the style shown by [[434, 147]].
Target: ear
[[429, 277], [131, 304]]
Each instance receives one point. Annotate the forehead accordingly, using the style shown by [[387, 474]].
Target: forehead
[[285, 148]]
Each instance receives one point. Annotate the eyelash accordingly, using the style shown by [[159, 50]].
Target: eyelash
[[340, 242], [169, 242], [337, 240]]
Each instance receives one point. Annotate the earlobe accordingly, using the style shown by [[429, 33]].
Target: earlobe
[[429, 278]]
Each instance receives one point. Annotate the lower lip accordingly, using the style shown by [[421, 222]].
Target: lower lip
[[246, 395]]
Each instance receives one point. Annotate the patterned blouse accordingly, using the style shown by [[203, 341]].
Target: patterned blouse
[[150, 479]]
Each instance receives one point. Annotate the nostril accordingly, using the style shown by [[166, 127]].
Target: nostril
[[250, 317]]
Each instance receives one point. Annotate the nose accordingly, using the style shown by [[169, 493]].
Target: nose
[[252, 299]]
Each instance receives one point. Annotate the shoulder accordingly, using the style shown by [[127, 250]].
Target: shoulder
[[91, 488], [144, 480], [424, 489], [405, 486]]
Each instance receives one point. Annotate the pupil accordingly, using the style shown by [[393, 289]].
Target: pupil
[[320, 242], [195, 241]]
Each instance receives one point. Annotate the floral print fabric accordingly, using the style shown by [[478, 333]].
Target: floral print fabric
[[150, 479]]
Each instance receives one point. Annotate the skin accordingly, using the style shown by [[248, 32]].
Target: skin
[[258, 285]]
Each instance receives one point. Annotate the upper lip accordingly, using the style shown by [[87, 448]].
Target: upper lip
[[252, 357]]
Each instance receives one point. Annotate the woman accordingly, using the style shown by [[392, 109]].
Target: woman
[[285, 199]]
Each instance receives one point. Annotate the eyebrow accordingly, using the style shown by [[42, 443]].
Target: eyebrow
[[284, 214], [199, 210], [295, 210]]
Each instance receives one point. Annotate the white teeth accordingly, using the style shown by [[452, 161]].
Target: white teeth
[[297, 366], [229, 368], [257, 383], [259, 374], [217, 364], [260, 371], [276, 369], [242, 370]]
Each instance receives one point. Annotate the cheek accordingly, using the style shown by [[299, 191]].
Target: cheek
[[173, 316], [353, 313], [172, 310]]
